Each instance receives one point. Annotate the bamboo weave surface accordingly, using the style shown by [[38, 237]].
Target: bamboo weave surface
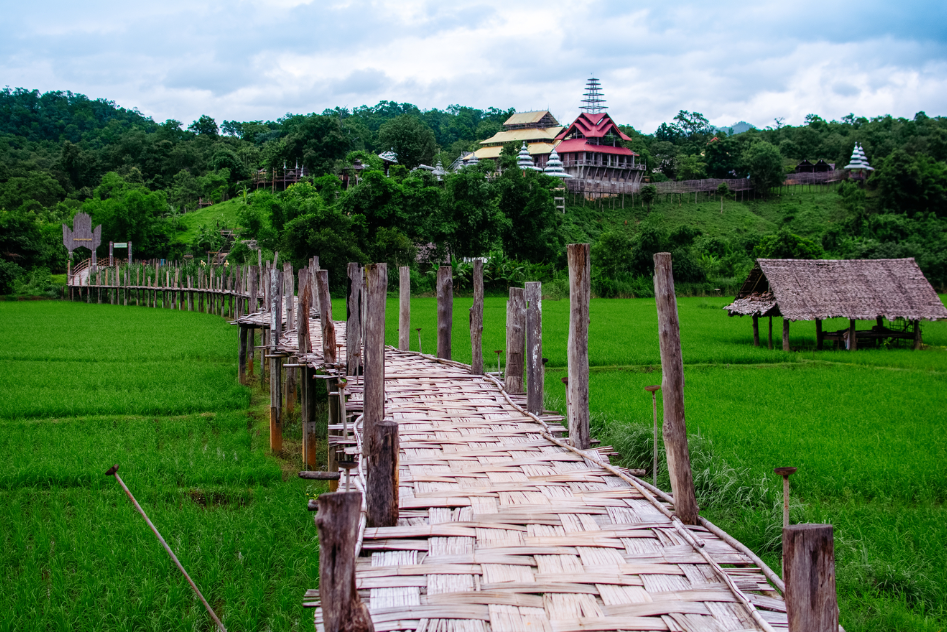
[[502, 530]]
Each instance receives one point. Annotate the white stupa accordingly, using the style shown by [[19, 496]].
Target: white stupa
[[859, 160], [524, 161], [554, 166], [473, 160]]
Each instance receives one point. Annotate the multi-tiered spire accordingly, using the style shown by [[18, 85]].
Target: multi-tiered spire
[[593, 98], [859, 160], [524, 161], [554, 166]]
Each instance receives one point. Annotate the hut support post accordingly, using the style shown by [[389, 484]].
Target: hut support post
[[819, 336], [476, 321], [786, 322], [852, 336], [404, 308], [445, 311], [337, 521], [577, 386], [918, 339], [809, 573], [534, 348], [756, 330], [672, 390], [515, 340], [770, 333], [242, 357]]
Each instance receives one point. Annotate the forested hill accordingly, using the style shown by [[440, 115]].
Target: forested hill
[[62, 152]]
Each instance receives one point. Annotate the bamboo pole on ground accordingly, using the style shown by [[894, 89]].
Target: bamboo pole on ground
[[580, 293], [445, 311], [476, 320], [534, 347]]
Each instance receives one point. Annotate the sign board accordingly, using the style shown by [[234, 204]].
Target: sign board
[[120, 245], [81, 235]]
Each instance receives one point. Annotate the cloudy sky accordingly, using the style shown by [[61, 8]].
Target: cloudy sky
[[245, 60]]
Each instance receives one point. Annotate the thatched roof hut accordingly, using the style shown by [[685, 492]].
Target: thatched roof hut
[[858, 289]]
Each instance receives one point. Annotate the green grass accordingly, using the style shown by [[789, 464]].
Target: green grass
[[224, 212], [85, 386]]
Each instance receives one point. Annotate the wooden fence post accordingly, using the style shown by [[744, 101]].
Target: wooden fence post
[[534, 348], [404, 308], [445, 311], [373, 406], [276, 317], [337, 521], [325, 316], [786, 322], [580, 294], [353, 321], [332, 460], [756, 330], [515, 341], [382, 488], [809, 573], [242, 356], [288, 294], [918, 339], [672, 391], [476, 320]]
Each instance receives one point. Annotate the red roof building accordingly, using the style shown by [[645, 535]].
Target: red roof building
[[591, 151]]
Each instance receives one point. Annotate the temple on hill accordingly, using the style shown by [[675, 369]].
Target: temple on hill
[[537, 129]]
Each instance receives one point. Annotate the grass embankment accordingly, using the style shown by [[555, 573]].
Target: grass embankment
[[86, 386], [223, 212], [867, 430]]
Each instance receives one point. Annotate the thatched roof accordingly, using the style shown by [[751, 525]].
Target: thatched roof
[[862, 289]]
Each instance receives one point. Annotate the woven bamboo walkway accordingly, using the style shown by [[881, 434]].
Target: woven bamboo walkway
[[504, 527]]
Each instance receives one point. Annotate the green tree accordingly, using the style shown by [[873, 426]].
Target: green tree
[[912, 184], [329, 234], [471, 223], [532, 230], [691, 168], [410, 139], [649, 193], [786, 245], [204, 126], [765, 166]]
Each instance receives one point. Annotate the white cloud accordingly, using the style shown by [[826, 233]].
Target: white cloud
[[260, 60]]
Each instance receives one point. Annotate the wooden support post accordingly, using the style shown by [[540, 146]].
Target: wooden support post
[[276, 429], [404, 308], [288, 294], [353, 319], [332, 459], [819, 335], [918, 338], [476, 320], [770, 333], [325, 316], [534, 347], [445, 311], [786, 322], [382, 485], [756, 330], [515, 341], [809, 573], [251, 352], [337, 521], [308, 418], [580, 294], [852, 335], [242, 357], [672, 391], [373, 406]]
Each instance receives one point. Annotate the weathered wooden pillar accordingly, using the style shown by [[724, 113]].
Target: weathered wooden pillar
[[445, 311], [580, 294], [242, 358], [404, 308], [251, 352], [672, 391], [770, 333], [534, 347], [288, 294], [276, 316], [476, 320], [325, 316], [786, 322], [373, 407], [353, 319], [852, 335], [819, 335], [337, 521], [918, 336], [756, 330], [382, 488], [515, 341], [809, 573]]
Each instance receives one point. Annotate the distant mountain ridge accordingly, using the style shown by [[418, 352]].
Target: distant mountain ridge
[[736, 128]]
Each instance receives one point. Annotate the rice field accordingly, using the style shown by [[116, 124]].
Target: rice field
[[84, 386]]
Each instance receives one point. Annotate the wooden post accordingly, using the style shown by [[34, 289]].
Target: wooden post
[[288, 294], [809, 573], [534, 348], [515, 341], [337, 521], [786, 322], [476, 320], [445, 311], [672, 391], [332, 461], [251, 351], [580, 294], [325, 317], [770, 333], [242, 357], [276, 430], [918, 339], [404, 308], [756, 330], [852, 336], [353, 321], [373, 407], [382, 485], [819, 336]]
